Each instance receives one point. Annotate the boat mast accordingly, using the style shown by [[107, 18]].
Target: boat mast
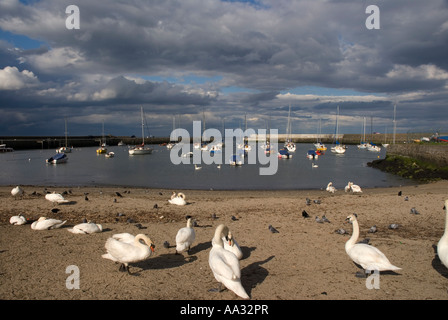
[[395, 124], [143, 124]]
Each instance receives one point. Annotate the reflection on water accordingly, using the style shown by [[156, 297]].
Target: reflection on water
[[86, 168]]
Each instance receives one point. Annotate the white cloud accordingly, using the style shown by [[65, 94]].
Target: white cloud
[[104, 95], [13, 79], [333, 99], [426, 72]]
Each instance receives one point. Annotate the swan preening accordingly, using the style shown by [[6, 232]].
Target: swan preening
[[330, 188], [46, 224], [442, 245], [231, 245], [85, 228], [17, 192], [178, 199], [129, 250], [352, 187], [185, 237], [55, 198], [17, 220], [367, 256], [225, 265]]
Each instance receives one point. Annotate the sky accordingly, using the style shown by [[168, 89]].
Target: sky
[[232, 63]]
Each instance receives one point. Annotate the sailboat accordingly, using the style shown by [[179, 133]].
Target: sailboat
[[66, 148], [337, 148], [363, 144], [289, 145], [319, 145], [102, 149], [141, 149]]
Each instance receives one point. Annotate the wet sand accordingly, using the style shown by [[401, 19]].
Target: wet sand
[[304, 261]]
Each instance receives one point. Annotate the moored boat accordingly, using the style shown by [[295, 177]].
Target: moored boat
[[57, 158]]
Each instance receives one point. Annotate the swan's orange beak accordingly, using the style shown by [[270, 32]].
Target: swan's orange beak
[[152, 247]]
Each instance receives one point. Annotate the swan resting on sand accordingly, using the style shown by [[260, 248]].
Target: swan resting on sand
[[55, 198], [178, 199], [85, 228], [125, 252], [225, 265], [17, 220], [330, 188], [367, 256], [47, 224]]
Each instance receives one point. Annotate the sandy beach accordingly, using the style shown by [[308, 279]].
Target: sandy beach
[[306, 260]]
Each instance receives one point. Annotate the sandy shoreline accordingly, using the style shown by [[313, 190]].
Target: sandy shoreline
[[304, 261]]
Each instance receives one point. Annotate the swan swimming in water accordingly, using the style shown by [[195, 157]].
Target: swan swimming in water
[[85, 228], [232, 246], [367, 256], [225, 265], [55, 198], [125, 252], [442, 245], [330, 187], [185, 237], [178, 199], [46, 224], [17, 220]]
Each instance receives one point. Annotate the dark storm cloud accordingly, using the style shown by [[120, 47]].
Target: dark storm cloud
[[264, 47]]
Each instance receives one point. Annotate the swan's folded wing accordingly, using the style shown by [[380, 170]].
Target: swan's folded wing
[[225, 264]]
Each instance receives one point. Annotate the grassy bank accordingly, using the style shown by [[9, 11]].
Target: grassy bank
[[411, 168]]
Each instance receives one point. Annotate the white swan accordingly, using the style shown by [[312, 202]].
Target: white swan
[[232, 246], [124, 237], [185, 237], [355, 188], [126, 253], [367, 256], [46, 224], [55, 198], [178, 199], [17, 220], [347, 187], [17, 192], [225, 265], [442, 246], [85, 228], [330, 187]]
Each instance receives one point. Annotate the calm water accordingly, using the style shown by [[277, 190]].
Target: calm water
[[86, 168]]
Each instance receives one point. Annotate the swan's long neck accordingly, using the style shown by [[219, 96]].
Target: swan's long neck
[[445, 235], [220, 231], [189, 223], [351, 242], [141, 237]]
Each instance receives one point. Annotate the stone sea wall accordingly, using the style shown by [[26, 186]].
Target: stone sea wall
[[432, 153]]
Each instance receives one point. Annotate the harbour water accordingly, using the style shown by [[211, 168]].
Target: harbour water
[[86, 168]]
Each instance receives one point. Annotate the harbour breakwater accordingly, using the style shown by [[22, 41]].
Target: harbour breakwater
[[421, 162], [54, 142]]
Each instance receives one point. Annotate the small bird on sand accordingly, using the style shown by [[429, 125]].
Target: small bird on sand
[[118, 194], [372, 229], [272, 229], [393, 226], [319, 220], [324, 219], [414, 211], [305, 214]]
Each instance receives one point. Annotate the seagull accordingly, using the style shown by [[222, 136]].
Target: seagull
[[272, 229], [372, 229], [305, 214]]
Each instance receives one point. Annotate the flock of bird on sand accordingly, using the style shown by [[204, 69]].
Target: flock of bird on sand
[[225, 254]]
